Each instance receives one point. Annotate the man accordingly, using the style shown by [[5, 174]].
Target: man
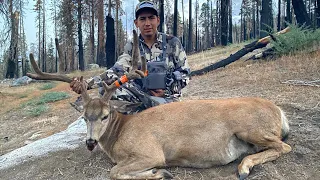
[[166, 60]]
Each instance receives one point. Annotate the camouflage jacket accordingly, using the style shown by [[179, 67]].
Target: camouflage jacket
[[175, 58]]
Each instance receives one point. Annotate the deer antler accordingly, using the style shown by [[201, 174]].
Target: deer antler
[[46, 76], [133, 74], [57, 77]]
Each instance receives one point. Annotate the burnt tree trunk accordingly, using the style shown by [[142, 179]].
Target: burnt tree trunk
[[230, 22], [288, 15], [234, 57], [318, 13], [110, 42], [266, 18], [190, 47], [161, 29], [224, 22], [301, 13], [279, 16], [81, 60], [175, 18], [12, 68]]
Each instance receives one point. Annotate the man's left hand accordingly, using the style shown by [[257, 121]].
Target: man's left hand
[[157, 92]]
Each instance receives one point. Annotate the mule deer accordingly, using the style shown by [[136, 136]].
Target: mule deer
[[194, 133]]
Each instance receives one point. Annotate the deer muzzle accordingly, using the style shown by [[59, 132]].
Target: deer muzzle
[[91, 144]]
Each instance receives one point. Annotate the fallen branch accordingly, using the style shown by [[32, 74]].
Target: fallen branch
[[233, 57], [303, 83], [266, 53]]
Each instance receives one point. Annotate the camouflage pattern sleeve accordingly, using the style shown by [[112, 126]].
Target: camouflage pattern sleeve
[[122, 65], [181, 62]]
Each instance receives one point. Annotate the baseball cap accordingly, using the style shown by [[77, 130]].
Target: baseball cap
[[146, 5]]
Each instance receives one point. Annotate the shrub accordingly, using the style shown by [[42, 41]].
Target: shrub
[[296, 40]]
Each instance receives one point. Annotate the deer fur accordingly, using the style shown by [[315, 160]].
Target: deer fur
[[194, 133]]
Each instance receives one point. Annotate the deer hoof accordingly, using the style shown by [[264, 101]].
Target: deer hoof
[[243, 176]]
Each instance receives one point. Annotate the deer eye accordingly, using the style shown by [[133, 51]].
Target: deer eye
[[105, 117]]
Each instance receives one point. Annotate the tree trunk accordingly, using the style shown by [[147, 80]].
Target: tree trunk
[[12, 70], [81, 60], [101, 34], [224, 22], [110, 42], [212, 26], [117, 30], [266, 18], [288, 15], [197, 41], [318, 13], [230, 22], [161, 26], [254, 20], [44, 65], [218, 22], [175, 18], [301, 13], [234, 57], [279, 15], [61, 57], [183, 28], [92, 31], [190, 48]]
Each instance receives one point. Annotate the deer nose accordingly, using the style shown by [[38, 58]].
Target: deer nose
[[91, 144]]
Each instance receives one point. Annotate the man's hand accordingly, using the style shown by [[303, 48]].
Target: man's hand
[[157, 92], [75, 85]]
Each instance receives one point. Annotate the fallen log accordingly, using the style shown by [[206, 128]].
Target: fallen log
[[234, 57]]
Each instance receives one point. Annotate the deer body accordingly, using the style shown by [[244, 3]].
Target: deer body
[[196, 133]]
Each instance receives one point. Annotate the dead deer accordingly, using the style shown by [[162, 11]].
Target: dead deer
[[194, 133]]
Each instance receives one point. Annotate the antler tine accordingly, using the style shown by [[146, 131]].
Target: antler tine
[[45, 76], [108, 91], [144, 65], [84, 92], [135, 50], [133, 74]]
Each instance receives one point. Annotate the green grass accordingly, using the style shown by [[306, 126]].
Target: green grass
[[36, 107], [48, 86], [37, 110]]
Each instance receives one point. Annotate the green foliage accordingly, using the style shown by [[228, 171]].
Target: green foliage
[[39, 105], [47, 86], [37, 110], [296, 40]]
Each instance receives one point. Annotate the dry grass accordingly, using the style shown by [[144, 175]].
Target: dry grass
[[205, 58], [263, 79]]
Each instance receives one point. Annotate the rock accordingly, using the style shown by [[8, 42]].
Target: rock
[[24, 80], [92, 66]]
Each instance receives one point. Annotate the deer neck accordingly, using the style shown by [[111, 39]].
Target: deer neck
[[110, 136]]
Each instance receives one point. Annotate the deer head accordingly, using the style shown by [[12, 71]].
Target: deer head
[[97, 111]]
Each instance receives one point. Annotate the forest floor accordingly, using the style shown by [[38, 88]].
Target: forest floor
[[265, 79]]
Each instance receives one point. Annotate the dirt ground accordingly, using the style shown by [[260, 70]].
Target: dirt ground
[[260, 78]]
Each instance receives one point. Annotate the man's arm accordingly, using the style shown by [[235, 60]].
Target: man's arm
[[122, 66], [181, 63]]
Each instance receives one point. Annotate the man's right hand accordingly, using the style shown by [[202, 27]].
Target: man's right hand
[[75, 85]]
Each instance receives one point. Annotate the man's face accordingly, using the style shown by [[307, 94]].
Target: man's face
[[147, 23]]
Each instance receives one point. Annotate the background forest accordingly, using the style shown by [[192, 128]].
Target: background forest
[[95, 31]]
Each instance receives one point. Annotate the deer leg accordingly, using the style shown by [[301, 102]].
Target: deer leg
[[275, 149], [138, 170]]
